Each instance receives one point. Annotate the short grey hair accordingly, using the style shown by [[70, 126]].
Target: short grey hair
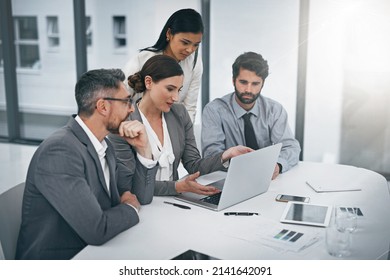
[[95, 84]]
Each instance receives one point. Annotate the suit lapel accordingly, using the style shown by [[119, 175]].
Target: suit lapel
[[82, 136], [172, 126], [111, 161]]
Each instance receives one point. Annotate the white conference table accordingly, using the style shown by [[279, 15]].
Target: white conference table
[[166, 231]]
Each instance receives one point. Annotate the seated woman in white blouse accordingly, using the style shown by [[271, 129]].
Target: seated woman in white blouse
[[169, 129]]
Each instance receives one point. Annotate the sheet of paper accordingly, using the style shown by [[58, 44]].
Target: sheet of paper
[[331, 186], [325, 181], [287, 240], [264, 232]]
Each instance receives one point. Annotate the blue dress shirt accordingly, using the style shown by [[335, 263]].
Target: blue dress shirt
[[223, 127]]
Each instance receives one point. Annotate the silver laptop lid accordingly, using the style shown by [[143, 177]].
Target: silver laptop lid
[[248, 175]]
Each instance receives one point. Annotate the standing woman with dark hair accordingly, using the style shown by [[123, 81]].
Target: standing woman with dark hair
[[179, 39], [169, 129]]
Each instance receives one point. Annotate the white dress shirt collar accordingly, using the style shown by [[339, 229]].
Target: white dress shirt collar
[[100, 148], [239, 111]]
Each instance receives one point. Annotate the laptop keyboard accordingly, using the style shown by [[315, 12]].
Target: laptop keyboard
[[212, 199]]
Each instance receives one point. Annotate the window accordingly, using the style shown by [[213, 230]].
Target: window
[[53, 36], [88, 30], [26, 42], [119, 32], [347, 116]]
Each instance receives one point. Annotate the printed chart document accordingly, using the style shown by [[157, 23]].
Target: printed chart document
[[264, 232], [328, 182]]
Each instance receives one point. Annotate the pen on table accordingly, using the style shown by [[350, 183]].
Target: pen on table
[[240, 214], [178, 205]]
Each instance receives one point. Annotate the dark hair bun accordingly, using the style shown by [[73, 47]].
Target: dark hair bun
[[136, 82]]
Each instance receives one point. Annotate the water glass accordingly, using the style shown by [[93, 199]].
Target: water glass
[[346, 218], [338, 243]]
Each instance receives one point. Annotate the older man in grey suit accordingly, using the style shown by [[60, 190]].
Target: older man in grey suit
[[76, 192]]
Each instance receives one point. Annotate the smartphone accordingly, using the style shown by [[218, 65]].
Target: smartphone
[[286, 198]]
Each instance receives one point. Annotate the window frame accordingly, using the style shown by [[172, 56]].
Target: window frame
[[53, 32], [19, 42], [88, 31], [119, 32]]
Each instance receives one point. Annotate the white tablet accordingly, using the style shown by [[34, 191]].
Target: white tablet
[[306, 214]]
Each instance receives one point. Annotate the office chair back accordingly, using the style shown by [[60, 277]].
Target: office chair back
[[10, 220]]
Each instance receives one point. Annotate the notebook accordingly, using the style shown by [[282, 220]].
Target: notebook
[[248, 175], [321, 187]]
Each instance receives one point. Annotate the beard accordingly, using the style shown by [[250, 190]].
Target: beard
[[252, 96], [113, 126]]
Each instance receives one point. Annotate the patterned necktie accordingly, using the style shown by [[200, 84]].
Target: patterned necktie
[[250, 138]]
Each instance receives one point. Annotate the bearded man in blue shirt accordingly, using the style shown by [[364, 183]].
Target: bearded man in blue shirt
[[245, 117]]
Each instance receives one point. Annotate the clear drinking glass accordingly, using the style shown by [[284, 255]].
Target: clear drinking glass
[[346, 218], [338, 243]]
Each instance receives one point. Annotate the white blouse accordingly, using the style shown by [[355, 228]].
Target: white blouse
[[163, 154]]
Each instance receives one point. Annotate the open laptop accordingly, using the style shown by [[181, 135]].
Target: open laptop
[[248, 175]]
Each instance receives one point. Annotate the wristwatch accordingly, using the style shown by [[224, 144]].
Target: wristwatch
[[226, 163], [280, 167]]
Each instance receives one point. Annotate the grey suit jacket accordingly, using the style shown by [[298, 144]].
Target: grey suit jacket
[[184, 147], [66, 203]]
